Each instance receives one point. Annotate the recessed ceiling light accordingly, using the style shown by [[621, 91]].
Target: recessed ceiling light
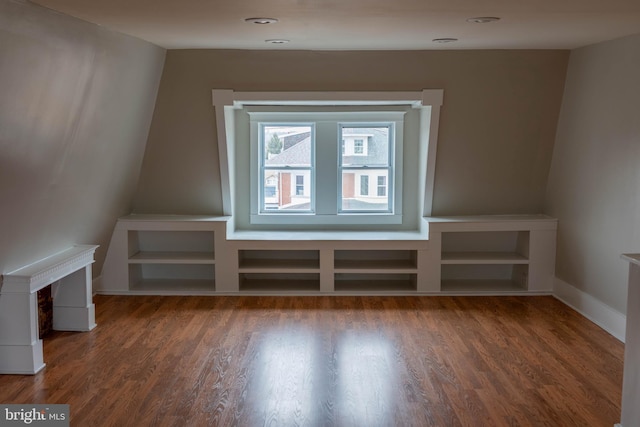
[[445, 40], [483, 19], [277, 41], [261, 21]]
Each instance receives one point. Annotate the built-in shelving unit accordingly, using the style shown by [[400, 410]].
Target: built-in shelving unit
[[450, 255], [493, 254], [164, 254], [328, 262]]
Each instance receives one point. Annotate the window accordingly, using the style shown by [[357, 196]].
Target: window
[[358, 146], [368, 164], [299, 185], [286, 159], [243, 183], [326, 164]]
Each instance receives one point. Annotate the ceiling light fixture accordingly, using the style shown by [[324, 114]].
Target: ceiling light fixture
[[261, 21], [445, 40], [483, 19], [277, 41]]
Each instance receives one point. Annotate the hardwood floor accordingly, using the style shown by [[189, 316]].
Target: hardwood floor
[[330, 361]]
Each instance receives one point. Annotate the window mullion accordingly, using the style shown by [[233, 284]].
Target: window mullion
[[326, 168]]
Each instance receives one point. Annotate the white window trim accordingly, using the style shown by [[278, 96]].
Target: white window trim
[[429, 101], [328, 211]]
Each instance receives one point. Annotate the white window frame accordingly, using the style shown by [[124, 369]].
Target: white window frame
[[326, 176], [226, 101]]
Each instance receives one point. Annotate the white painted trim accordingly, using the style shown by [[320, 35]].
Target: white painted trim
[[37, 275], [224, 100], [336, 98], [338, 219], [221, 100], [593, 309], [431, 140]]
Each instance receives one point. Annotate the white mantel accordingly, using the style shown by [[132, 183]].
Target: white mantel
[[69, 272], [631, 383]]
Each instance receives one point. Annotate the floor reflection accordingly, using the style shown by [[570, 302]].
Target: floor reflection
[[287, 370], [308, 378], [366, 378]]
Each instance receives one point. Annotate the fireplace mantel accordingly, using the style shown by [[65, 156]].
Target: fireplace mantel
[[69, 273]]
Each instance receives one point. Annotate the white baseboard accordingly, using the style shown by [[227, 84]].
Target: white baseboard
[[593, 309]]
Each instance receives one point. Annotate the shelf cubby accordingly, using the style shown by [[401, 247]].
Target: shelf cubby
[[156, 246], [181, 278], [372, 283], [485, 247], [279, 282], [278, 260], [378, 261], [484, 278]]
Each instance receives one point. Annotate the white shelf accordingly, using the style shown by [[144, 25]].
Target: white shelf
[[483, 258], [328, 235], [278, 261], [153, 257], [279, 265]]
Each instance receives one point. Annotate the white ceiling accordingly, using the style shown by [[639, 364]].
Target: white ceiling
[[362, 24]]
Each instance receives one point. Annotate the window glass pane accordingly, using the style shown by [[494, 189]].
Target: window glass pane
[[286, 145], [286, 190], [365, 145], [357, 194]]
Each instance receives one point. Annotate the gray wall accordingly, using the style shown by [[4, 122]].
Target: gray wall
[[496, 135], [594, 181], [75, 108]]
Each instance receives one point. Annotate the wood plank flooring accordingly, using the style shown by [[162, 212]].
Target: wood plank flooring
[[330, 361]]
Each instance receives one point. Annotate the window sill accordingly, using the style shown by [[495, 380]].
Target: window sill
[[280, 236], [314, 219]]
